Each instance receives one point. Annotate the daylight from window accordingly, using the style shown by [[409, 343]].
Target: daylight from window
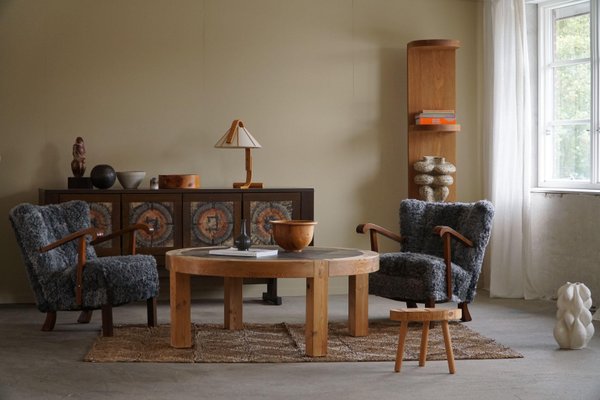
[[567, 143]]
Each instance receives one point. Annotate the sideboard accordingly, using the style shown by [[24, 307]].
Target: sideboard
[[189, 217]]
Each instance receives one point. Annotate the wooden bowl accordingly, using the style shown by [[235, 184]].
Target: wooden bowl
[[293, 235], [179, 181]]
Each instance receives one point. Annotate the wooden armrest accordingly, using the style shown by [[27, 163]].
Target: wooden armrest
[[129, 230], [94, 232], [121, 232], [373, 230], [447, 233], [81, 255], [443, 230]]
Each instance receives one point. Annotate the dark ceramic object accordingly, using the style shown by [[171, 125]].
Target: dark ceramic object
[[103, 176], [242, 242]]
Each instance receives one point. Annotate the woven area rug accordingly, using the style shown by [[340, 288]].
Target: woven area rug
[[275, 343]]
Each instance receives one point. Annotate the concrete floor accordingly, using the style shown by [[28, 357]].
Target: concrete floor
[[47, 365]]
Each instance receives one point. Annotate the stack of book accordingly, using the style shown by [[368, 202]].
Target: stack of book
[[436, 117], [252, 252]]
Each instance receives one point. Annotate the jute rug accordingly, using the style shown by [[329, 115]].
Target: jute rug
[[276, 343]]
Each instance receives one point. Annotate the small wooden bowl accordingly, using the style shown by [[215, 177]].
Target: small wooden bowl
[[179, 181], [293, 235]]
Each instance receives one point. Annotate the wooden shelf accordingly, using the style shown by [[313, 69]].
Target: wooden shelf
[[431, 73], [435, 128], [448, 44]]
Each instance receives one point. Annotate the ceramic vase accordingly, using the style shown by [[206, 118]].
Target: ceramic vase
[[434, 178], [103, 176], [574, 328], [242, 242]]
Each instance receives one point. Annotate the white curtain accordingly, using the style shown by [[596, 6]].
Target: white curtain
[[507, 144]]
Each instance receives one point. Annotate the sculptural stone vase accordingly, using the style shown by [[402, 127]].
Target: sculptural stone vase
[[103, 176], [434, 178], [242, 242], [574, 328]]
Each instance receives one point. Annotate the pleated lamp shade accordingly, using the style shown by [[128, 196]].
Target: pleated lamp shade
[[238, 137]]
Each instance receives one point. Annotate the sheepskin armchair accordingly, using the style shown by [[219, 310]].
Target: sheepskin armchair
[[442, 250], [65, 273]]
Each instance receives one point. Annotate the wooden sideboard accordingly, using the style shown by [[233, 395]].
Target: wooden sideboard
[[189, 217]]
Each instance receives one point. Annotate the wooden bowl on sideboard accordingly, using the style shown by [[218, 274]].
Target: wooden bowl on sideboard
[[293, 235], [186, 181]]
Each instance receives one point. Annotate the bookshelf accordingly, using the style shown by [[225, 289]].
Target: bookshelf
[[431, 71]]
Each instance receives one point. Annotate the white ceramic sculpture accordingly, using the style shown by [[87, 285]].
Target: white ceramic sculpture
[[574, 327]]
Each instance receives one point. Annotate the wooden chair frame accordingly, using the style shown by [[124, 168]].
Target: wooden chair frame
[[446, 233], [97, 237]]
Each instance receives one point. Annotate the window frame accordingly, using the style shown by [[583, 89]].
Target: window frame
[[545, 99]]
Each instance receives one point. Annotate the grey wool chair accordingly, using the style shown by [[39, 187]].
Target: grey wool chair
[[442, 250], [65, 273]]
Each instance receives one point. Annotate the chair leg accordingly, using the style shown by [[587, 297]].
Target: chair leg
[[466, 315], [85, 316], [151, 308], [50, 321], [107, 320]]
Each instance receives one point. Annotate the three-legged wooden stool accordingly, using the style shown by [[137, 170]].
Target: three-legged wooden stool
[[425, 315]]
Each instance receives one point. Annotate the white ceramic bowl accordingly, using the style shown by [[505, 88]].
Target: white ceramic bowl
[[130, 179]]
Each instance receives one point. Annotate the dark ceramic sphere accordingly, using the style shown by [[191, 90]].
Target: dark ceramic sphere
[[103, 176]]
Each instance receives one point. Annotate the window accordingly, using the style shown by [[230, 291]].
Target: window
[[568, 145]]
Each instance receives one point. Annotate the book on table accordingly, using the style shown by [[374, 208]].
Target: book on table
[[232, 251]]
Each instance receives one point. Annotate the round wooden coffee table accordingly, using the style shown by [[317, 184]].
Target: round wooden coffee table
[[316, 264]]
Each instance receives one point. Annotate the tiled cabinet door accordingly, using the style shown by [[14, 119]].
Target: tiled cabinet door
[[187, 217], [162, 212], [211, 219], [262, 208], [105, 214]]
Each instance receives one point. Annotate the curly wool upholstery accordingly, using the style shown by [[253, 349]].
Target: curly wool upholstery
[[106, 280], [418, 272]]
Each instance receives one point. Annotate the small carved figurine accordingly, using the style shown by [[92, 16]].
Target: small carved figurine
[[78, 163]]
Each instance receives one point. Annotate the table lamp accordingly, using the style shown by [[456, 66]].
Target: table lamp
[[238, 137]]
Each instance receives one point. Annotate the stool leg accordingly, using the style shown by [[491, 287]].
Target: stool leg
[[448, 343], [424, 343], [400, 352]]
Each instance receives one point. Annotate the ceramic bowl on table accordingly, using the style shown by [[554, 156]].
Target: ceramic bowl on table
[[131, 179], [293, 235]]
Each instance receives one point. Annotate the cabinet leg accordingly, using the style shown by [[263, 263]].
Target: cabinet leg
[[270, 296]]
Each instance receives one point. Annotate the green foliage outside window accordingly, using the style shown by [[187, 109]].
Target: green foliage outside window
[[572, 98]]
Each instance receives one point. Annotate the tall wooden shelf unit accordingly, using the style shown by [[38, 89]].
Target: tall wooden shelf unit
[[431, 70]]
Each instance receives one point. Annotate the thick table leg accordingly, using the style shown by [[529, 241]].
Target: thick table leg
[[181, 323], [358, 305], [316, 310], [233, 304]]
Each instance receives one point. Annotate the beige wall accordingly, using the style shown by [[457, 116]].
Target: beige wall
[[152, 85]]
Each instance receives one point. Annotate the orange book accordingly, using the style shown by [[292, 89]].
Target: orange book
[[435, 121]]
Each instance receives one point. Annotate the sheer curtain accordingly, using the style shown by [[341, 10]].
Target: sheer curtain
[[507, 144]]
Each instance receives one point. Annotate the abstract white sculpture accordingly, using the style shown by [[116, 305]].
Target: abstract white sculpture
[[574, 327]]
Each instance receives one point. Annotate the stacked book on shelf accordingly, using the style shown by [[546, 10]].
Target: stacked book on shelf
[[436, 117]]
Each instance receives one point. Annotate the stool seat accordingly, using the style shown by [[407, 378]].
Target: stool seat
[[426, 316]]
